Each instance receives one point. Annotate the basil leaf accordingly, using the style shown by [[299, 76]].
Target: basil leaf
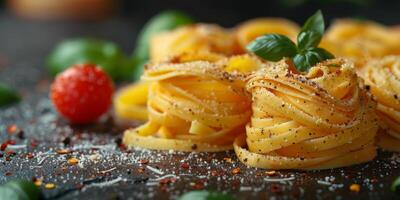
[[396, 185], [20, 190], [206, 195], [163, 21], [8, 95], [308, 58], [272, 47], [312, 31], [87, 50]]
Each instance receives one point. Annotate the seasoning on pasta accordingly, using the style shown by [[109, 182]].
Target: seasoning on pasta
[[317, 120], [193, 106]]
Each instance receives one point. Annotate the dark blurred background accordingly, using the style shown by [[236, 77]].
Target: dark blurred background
[[29, 29]]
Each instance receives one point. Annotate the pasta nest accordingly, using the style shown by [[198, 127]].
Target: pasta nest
[[194, 106], [192, 38], [382, 77], [361, 40], [318, 120]]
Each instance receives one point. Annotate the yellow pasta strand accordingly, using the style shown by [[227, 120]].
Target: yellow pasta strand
[[250, 30], [193, 106], [318, 120], [192, 38], [382, 77], [130, 102]]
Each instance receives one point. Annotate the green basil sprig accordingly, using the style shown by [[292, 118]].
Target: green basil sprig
[[206, 195], [396, 185], [8, 95], [106, 54], [20, 190], [305, 54]]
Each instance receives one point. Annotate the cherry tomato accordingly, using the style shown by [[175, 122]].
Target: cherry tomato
[[82, 93]]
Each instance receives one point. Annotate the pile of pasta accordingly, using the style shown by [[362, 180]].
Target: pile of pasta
[[194, 105], [361, 40], [321, 119], [382, 78], [201, 91]]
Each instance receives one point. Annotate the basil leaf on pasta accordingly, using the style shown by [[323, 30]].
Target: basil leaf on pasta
[[312, 31], [307, 59], [273, 47]]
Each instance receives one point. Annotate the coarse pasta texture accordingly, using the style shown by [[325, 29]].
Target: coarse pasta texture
[[192, 38], [194, 106], [361, 40], [318, 120], [382, 78], [251, 29]]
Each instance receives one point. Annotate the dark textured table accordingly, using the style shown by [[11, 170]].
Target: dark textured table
[[108, 171]]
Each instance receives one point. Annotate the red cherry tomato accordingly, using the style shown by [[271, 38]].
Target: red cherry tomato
[[82, 93]]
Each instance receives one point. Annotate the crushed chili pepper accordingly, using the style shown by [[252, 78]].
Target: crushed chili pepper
[[73, 161], [185, 165], [8, 174], [11, 142], [29, 155], [141, 169], [270, 173], [4, 146], [236, 171], [34, 143], [37, 181], [11, 153], [228, 160], [355, 187], [11, 129], [63, 151], [214, 173], [144, 161]]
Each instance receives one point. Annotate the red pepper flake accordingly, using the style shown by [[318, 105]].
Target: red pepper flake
[[198, 185], [12, 128], [214, 173], [8, 174], [228, 160], [355, 187], [141, 169], [275, 188], [34, 143], [4, 146], [11, 142], [236, 171], [73, 161], [123, 147], [63, 151], [185, 165], [29, 155], [167, 181], [144, 161], [11, 153], [8, 158], [37, 181], [270, 173]]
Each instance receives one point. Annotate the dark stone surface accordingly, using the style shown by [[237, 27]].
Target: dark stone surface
[[23, 47]]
